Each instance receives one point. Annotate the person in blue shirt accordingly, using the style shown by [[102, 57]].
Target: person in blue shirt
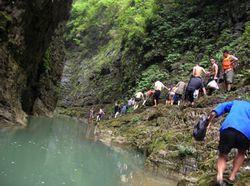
[[234, 133]]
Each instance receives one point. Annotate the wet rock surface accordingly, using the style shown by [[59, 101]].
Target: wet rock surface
[[164, 134], [31, 57]]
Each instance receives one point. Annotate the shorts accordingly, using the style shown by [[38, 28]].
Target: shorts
[[137, 99], [177, 97], [157, 94], [195, 83], [229, 76], [190, 95], [231, 138]]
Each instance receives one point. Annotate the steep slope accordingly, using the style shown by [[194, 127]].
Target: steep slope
[[117, 47], [31, 57], [164, 134]]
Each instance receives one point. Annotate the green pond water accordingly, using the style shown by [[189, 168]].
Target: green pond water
[[62, 151]]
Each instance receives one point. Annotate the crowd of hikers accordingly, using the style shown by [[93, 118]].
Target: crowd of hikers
[[235, 130], [181, 91], [185, 90]]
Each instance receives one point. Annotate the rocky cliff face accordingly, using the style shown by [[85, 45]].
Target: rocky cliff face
[[31, 57]]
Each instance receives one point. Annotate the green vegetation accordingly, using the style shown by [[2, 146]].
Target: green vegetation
[[117, 47], [136, 120], [47, 60], [185, 150], [139, 41], [149, 76]]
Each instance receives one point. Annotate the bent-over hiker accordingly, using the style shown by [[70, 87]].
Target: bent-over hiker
[[124, 109], [234, 133], [116, 109], [100, 115], [139, 97], [197, 72], [170, 95], [195, 84], [180, 91], [157, 91], [148, 95], [131, 102]]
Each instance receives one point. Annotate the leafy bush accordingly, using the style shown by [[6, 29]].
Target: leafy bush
[[149, 76], [136, 119], [184, 150]]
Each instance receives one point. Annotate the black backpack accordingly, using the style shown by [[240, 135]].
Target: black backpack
[[200, 128]]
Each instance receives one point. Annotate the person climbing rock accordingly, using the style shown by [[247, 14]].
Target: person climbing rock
[[180, 91], [195, 84], [139, 97], [100, 115], [124, 109], [116, 109], [147, 96], [91, 114], [157, 91], [131, 102], [198, 71], [234, 133], [229, 63], [170, 96]]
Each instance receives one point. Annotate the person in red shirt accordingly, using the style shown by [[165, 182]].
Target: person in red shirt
[[148, 95]]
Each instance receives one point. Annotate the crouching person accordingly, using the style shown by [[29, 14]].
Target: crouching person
[[100, 115], [139, 98], [234, 133]]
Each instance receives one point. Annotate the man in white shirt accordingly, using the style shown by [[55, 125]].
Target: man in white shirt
[[157, 93]]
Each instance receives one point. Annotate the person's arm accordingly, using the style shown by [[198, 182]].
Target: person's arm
[[204, 71], [165, 87], [211, 117], [219, 111], [174, 89], [193, 73], [233, 59], [215, 71]]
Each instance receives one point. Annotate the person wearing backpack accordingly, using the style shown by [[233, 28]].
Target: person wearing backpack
[[180, 91], [229, 63], [234, 133]]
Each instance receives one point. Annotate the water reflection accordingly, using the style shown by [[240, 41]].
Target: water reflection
[[58, 151]]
